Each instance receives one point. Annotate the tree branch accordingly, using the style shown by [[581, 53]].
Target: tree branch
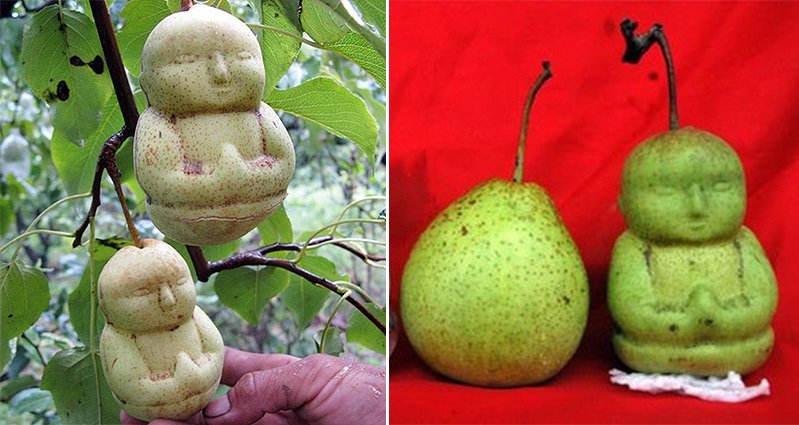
[[127, 105], [205, 269]]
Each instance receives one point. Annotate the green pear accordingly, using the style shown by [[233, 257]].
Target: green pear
[[495, 292], [690, 288]]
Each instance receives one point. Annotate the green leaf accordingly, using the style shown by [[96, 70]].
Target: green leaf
[[373, 12], [63, 64], [333, 344], [75, 379], [30, 400], [356, 48], [325, 25], [362, 331], [24, 296], [304, 298], [278, 50], [247, 290], [76, 164], [276, 228], [221, 251], [325, 102], [321, 22], [80, 299], [141, 16], [15, 385]]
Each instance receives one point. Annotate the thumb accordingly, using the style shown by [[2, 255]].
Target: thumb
[[291, 387]]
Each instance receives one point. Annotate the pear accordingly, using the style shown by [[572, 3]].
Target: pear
[[690, 288], [494, 292]]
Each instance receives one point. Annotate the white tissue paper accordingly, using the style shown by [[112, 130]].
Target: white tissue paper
[[728, 390]]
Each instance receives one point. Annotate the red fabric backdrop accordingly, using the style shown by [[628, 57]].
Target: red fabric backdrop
[[459, 74]]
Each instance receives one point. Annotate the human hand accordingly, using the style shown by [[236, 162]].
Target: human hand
[[281, 389]]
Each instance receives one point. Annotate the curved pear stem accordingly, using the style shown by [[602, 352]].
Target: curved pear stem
[[545, 75], [637, 46]]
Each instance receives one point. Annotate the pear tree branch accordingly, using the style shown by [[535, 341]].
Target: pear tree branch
[[257, 257], [127, 105]]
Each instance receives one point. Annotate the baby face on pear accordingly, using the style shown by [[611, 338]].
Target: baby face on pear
[[203, 63], [160, 297], [668, 198]]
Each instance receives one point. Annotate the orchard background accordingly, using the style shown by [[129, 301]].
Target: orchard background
[[325, 74]]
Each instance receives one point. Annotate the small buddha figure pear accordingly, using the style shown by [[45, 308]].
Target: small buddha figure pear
[[213, 159], [690, 288], [161, 355]]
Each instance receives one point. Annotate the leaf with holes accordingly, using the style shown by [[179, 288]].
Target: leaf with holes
[[24, 296], [246, 290], [63, 64], [76, 164], [75, 379]]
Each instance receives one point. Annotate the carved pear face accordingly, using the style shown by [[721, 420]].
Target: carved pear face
[[202, 60], [147, 289], [683, 186]]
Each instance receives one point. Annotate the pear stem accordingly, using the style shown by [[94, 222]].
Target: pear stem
[[545, 75], [637, 46]]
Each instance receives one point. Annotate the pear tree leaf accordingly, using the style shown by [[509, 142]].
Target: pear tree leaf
[[181, 249], [373, 12], [321, 22], [325, 25], [75, 379], [221, 251], [276, 228], [362, 331], [30, 400], [76, 164], [333, 344], [80, 299], [24, 296], [141, 16], [64, 65], [246, 290], [15, 385], [305, 299], [278, 50], [325, 102], [356, 48]]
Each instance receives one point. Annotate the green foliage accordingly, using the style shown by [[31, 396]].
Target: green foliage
[[279, 50], [306, 300], [87, 400], [63, 64], [325, 102], [247, 290], [24, 295], [373, 12], [141, 16], [362, 331]]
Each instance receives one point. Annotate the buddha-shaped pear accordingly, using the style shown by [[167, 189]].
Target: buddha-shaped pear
[[690, 288], [161, 354], [213, 159]]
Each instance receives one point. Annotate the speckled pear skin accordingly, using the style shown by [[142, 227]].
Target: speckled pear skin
[[161, 354], [494, 292], [690, 288], [212, 158]]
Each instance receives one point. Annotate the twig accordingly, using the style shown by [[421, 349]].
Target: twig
[[205, 269], [637, 46]]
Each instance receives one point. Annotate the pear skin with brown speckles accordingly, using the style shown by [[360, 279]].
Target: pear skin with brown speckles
[[495, 292]]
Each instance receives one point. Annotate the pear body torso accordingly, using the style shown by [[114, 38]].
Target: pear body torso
[[494, 292]]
